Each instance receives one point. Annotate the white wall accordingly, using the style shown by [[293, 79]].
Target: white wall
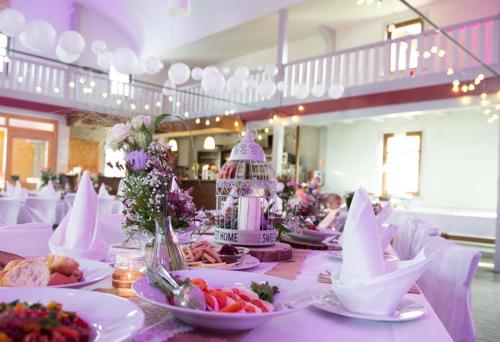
[[458, 166]]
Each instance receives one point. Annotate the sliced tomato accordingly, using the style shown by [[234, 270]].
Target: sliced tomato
[[202, 284], [220, 296], [210, 301], [235, 307], [249, 309], [259, 304], [231, 295]]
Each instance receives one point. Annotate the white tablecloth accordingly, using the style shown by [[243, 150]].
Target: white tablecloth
[[312, 324]]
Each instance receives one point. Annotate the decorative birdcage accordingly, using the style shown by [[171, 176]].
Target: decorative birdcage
[[246, 191]]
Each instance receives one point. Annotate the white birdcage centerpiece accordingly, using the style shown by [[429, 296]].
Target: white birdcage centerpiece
[[245, 191]]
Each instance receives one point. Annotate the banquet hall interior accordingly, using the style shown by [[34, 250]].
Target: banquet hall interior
[[238, 141]]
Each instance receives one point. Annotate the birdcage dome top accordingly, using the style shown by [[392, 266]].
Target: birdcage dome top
[[247, 150]]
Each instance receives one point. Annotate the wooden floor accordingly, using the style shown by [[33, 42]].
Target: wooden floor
[[486, 304]]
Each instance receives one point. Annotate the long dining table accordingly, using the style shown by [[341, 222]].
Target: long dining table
[[307, 324]]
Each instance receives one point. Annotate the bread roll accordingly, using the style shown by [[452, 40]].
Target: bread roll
[[26, 273], [62, 264]]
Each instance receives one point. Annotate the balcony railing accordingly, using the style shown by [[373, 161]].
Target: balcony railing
[[400, 63]]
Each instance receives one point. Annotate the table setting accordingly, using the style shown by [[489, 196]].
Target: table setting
[[136, 276]]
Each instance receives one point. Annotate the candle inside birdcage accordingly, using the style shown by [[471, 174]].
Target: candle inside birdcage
[[245, 187]]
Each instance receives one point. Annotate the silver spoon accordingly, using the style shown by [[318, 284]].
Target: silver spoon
[[185, 296]]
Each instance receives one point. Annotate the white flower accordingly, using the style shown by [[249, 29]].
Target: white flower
[[280, 187], [118, 133], [139, 120]]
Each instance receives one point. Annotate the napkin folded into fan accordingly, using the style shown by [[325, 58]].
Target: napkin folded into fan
[[79, 233], [365, 285], [16, 190], [48, 191]]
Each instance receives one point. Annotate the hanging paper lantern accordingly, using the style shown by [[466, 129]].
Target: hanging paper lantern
[[71, 42], [300, 91], [104, 60], [169, 88], [235, 85], [38, 35], [271, 70], [99, 47], [318, 90], [336, 91], [267, 88], [11, 22], [179, 73], [124, 60], [153, 65], [213, 82], [63, 56], [281, 86], [197, 73], [210, 69], [242, 72]]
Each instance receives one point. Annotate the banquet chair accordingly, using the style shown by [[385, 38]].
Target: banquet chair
[[9, 210], [446, 284], [30, 239], [408, 239], [37, 209], [106, 205], [111, 228]]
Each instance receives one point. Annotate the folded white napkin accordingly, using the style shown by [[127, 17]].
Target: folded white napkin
[[327, 221], [79, 233], [17, 190], [364, 284], [48, 191], [103, 192]]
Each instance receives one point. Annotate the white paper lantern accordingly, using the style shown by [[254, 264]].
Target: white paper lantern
[[251, 83], [242, 72], [104, 60], [179, 8], [124, 60], [281, 86], [140, 68], [11, 22], [179, 73], [235, 84], [197, 73], [152, 65], [99, 47], [71, 42], [213, 82], [336, 91], [209, 143], [300, 91], [38, 35], [169, 88], [209, 69], [63, 56], [318, 90], [267, 88], [271, 70]]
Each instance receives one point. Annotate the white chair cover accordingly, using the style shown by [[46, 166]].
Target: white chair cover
[[111, 228], [37, 209], [447, 286], [408, 237], [106, 205], [9, 210], [31, 239]]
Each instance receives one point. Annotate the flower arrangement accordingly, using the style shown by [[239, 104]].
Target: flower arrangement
[[47, 175], [182, 210], [286, 188], [149, 163]]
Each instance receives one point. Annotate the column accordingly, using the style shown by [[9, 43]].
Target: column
[[278, 146]]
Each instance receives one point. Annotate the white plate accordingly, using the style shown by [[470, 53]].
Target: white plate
[[313, 235], [290, 298], [247, 263], [112, 318], [93, 271], [407, 309]]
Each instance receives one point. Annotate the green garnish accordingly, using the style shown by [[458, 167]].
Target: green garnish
[[265, 291]]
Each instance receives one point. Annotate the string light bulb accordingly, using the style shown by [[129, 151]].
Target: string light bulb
[[217, 118], [38, 89], [295, 118], [226, 112], [186, 114], [259, 137], [487, 111], [472, 87], [158, 104], [434, 49], [441, 53], [197, 121], [207, 122], [92, 84], [271, 120], [391, 28], [266, 130], [82, 80], [57, 90], [450, 71], [456, 83], [146, 107], [484, 96], [455, 89], [178, 104], [71, 84], [236, 124], [104, 94], [170, 98], [427, 54], [464, 88], [301, 108], [132, 106], [20, 79]]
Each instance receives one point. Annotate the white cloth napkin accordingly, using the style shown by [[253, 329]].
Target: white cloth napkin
[[364, 284], [103, 192], [17, 190], [327, 221], [48, 191], [79, 234]]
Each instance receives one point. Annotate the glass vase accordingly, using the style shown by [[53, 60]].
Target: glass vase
[[167, 251]]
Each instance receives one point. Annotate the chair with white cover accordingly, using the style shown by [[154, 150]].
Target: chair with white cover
[[30, 239], [407, 241], [37, 209], [9, 210], [106, 205], [447, 286]]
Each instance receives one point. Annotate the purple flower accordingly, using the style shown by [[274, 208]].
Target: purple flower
[[136, 160]]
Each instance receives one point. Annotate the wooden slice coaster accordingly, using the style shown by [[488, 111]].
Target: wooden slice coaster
[[303, 244], [278, 252]]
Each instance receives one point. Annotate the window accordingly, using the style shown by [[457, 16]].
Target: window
[[120, 83], [401, 163], [400, 30], [4, 49]]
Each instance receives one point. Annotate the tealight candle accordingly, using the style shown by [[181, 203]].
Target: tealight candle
[[128, 268]]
